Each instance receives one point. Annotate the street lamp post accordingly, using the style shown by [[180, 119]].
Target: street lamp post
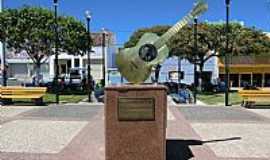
[[179, 70], [103, 57], [89, 48], [195, 58], [4, 69], [55, 4], [4, 65], [227, 76]]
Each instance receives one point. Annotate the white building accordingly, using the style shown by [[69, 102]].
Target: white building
[[21, 67], [66, 62]]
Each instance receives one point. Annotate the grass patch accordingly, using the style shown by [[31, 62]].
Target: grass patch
[[219, 98], [50, 98]]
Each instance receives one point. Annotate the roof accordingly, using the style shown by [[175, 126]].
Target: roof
[[248, 60]]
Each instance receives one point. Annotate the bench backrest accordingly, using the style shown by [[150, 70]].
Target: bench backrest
[[254, 92], [18, 90]]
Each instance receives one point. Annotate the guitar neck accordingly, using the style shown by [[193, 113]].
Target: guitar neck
[[197, 10], [172, 31]]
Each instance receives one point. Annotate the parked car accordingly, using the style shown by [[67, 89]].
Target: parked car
[[77, 73], [184, 95], [76, 78], [173, 87]]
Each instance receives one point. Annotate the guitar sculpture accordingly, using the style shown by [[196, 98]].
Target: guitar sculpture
[[136, 63]]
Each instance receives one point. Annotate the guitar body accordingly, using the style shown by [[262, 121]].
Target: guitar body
[[132, 66]]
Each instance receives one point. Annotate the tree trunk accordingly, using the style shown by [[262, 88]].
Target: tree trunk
[[37, 79], [200, 77]]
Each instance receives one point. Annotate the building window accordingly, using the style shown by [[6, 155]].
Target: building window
[[245, 80], [222, 77], [173, 75], [257, 80], [96, 61], [76, 62], [234, 79], [267, 80], [68, 65], [63, 69]]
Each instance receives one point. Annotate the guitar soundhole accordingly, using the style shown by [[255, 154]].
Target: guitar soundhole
[[148, 52]]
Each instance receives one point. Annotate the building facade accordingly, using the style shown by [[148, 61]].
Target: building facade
[[21, 67], [67, 62], [171, 65], [248, 70]]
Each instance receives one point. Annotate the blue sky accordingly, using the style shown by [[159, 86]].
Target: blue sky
[[125, 16]]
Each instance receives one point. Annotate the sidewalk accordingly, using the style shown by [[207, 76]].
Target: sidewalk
[[76, 132]]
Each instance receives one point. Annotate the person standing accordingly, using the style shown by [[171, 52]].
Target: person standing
[[157, 70]]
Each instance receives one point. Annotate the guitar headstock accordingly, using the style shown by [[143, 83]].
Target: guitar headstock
[[200, 7]]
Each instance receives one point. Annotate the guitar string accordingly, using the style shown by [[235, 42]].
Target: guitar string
[[195, 11], [173, 30]]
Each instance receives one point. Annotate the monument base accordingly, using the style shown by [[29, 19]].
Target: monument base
[[135, 122]]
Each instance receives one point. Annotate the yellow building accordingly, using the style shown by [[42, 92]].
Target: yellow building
[[247, 70]]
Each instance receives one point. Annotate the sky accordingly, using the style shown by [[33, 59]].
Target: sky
[[123, 17]]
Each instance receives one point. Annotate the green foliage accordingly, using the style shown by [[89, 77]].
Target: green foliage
[[211, 41], [159, 30], [32, 29]]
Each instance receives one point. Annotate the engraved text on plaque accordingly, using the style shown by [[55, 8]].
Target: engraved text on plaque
[[136, 109]]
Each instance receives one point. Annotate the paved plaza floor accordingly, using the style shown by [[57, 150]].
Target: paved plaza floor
[[76, 132], [232, 131]]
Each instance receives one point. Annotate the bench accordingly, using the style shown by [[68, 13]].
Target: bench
[[18, 92], [251, 96]]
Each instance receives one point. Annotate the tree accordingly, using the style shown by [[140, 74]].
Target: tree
[[211, 41], [31, 29]]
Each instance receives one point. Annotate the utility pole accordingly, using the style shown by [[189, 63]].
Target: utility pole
[[195, 32], [89, 48], [227, 74]]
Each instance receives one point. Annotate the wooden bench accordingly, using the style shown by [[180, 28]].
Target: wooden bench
[[250, 97], [18, 92]]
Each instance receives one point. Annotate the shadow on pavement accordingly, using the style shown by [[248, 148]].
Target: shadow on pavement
[[178, 149], [260, 106]]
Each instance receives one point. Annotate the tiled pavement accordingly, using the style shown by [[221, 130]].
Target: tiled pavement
[[232, 131], [77, 133], [53, 133]]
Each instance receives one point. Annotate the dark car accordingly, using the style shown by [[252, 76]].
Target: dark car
[[172, 87]]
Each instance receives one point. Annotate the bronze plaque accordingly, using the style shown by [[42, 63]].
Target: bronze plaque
[[136, 109]]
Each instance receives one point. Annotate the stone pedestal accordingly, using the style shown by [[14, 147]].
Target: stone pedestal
[[135, 122]]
